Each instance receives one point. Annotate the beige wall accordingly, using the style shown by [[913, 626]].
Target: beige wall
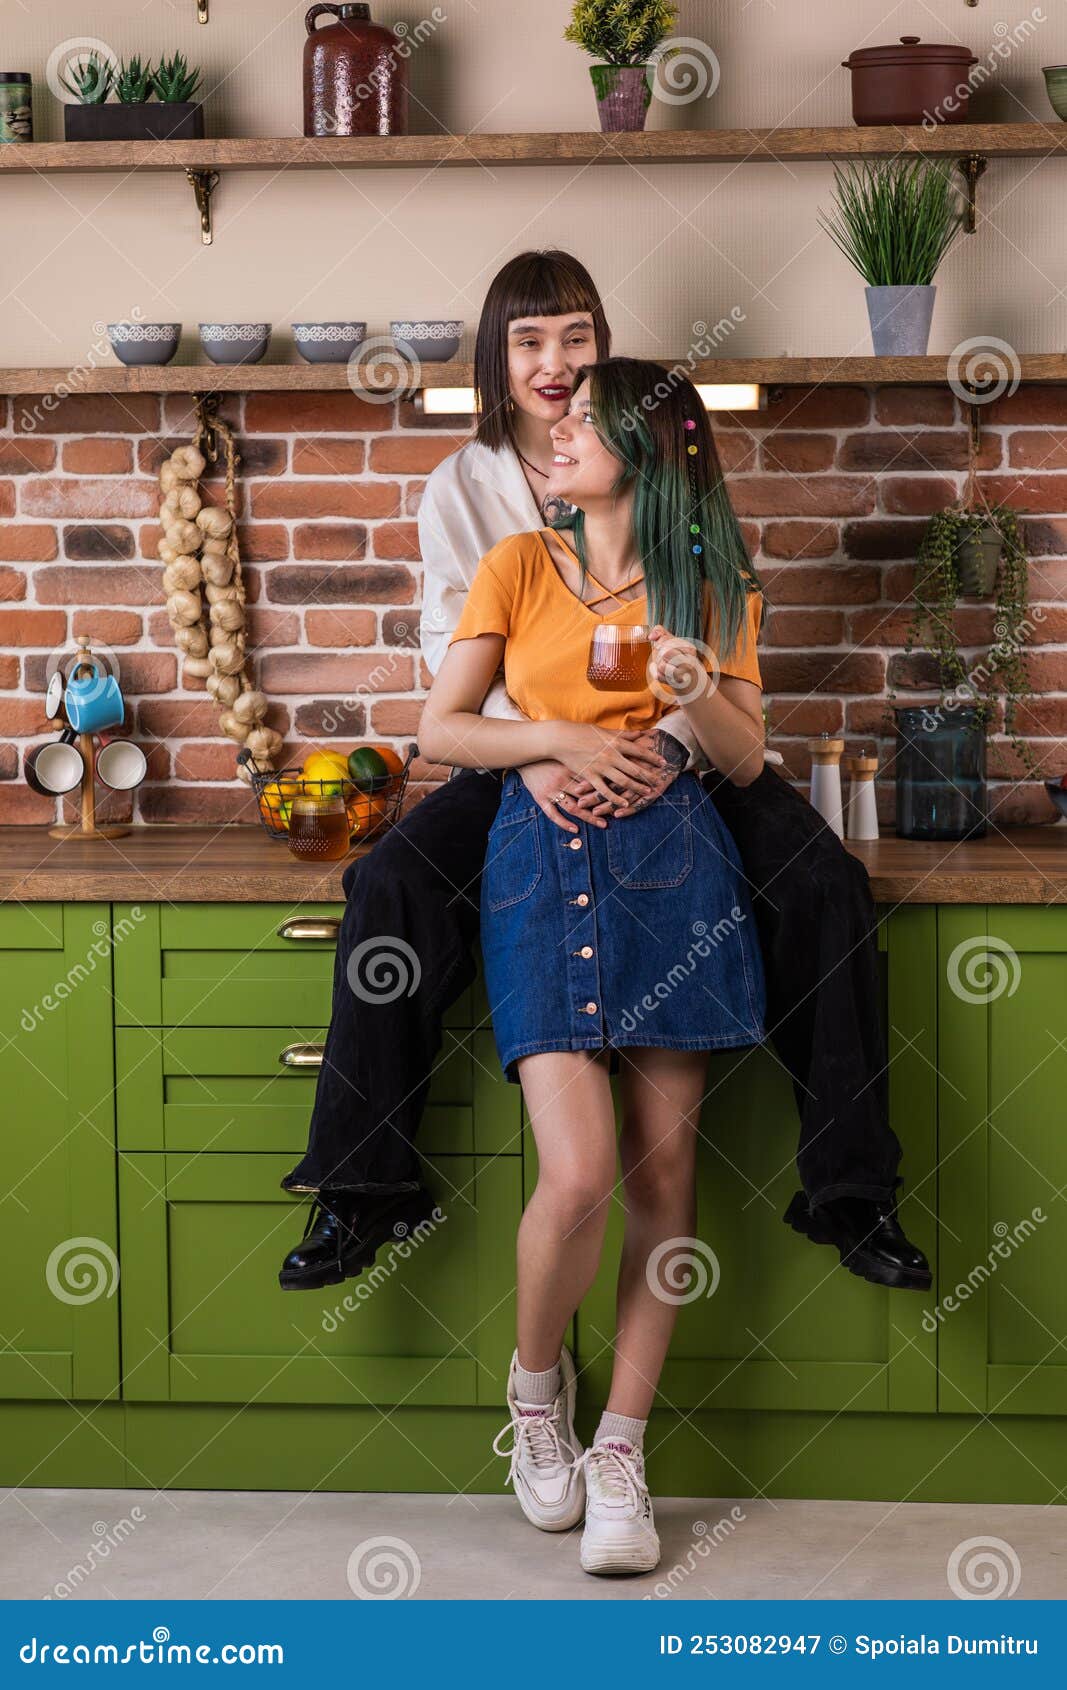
[[668, 246]]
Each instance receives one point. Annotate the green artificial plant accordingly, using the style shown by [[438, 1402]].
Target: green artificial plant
[[133, 82], [895, 219], [621, 32], [173, 82], [89, 78]]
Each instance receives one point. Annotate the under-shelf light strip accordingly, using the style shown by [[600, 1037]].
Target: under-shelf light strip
[[728, 396]]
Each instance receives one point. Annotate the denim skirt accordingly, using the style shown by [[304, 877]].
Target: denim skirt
[[637, 934]]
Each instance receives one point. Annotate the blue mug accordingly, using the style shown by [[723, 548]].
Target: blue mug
[[93, 702]]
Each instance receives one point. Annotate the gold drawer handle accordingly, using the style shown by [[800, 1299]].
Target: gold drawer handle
[[321, 929], [302, 1056]]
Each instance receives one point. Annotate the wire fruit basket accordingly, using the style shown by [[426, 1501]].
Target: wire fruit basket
[[374, 802]]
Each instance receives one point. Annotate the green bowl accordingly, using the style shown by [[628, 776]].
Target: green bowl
[[1056, 88]]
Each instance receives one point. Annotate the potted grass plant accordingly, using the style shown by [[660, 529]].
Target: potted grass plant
[[152, 103], [624, 35], [894, 220]]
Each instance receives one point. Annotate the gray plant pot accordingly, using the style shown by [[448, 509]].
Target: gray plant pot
[[977, 559], [900, 320]]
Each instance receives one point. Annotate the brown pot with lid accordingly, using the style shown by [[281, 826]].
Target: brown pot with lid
[[355, 75], [915, 82]]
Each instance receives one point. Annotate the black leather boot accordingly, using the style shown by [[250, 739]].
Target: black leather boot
[[343, 1233], [868, 1237]]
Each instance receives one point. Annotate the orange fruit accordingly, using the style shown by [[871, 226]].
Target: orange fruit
[[366, 811], [392, 760]]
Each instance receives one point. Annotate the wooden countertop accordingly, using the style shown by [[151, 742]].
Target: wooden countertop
[[240, 864]]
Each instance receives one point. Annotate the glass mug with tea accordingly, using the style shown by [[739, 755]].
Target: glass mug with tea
[[318, 828], [618, 658]]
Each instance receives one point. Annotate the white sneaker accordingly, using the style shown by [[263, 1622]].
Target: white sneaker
[[620, 1533], [546, 1457]]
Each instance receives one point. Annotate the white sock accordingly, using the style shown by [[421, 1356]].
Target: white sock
[[622, 1427], [537, 1390]]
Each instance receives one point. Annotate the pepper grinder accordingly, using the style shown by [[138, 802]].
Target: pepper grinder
[[826, 781], [862, 806]]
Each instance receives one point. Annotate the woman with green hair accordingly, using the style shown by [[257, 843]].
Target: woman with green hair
[[628, 946]]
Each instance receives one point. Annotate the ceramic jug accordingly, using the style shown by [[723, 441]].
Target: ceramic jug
[[355, 75]]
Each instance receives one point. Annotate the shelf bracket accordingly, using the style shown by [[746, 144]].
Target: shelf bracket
[[204, 183], [201, 11], [973, 166]]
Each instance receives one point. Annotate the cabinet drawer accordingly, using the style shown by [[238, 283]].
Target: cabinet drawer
[[219, 1089], [204, 1320], [238, 965]]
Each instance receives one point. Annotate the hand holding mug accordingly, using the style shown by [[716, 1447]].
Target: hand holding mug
[[676, 671]]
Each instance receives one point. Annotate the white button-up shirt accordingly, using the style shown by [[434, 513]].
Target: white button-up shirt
[[472, 501]]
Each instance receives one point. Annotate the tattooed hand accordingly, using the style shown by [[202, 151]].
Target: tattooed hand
[[676, 757]]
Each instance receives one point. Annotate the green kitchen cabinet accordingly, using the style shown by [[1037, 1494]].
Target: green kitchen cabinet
[[238, 965], [58, 1263], [768, 1321], [217, 1089], [1002, 1298], [204, 1320]]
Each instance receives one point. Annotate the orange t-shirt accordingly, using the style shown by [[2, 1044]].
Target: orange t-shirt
[[518, 592]]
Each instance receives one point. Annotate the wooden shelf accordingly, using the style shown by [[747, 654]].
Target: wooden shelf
[[317, 378], [678, 146]]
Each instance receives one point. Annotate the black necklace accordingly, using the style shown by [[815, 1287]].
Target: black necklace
[[543, 473]]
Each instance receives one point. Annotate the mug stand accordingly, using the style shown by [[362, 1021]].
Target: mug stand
[[87, 828]]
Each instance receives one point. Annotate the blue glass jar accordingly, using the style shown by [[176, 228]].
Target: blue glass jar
[[940, 773]]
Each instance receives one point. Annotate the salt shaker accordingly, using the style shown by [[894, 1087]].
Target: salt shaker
[[826, 781], [862, 806]]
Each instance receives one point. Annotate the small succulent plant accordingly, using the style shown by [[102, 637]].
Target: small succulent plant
[[173, 81], [133, 82], [89, 78]]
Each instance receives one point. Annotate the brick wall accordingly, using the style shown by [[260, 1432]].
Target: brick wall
[[832, 487]]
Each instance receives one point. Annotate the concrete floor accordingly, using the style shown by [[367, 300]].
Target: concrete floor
[[199, 1544]]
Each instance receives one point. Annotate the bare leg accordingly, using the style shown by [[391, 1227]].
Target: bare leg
[[568, 1097], [662, 1092]]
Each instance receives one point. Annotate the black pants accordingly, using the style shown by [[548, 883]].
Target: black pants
[[405, 953]]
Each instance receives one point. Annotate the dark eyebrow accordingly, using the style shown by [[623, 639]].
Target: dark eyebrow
[[532, 328]]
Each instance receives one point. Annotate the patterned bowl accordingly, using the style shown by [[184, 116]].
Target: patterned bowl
[[328, 343], [1056, 88], [235, 343], [433, 340], [144, 343]]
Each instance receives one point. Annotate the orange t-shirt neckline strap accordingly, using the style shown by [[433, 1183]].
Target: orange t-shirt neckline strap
[[605, 592]]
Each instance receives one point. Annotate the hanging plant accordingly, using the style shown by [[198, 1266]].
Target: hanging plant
[[946, 553], [202, 562]]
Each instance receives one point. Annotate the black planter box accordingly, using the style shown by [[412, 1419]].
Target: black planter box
[[152, 121]]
